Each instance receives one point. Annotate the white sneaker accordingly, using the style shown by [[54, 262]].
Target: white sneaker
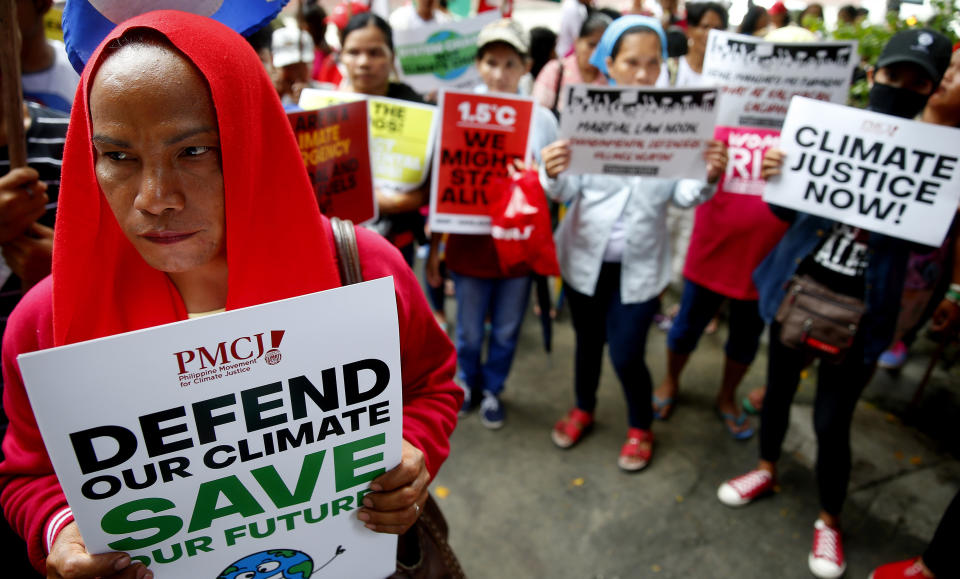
[[826, 559]]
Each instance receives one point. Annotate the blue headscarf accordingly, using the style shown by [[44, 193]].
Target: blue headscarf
[[616, 30]]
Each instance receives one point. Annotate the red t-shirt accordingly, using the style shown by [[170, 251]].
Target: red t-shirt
[[732, 233]]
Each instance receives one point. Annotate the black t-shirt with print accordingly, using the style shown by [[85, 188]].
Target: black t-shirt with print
[[840, 260]]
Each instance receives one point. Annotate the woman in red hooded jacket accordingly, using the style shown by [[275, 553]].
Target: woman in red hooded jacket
[[171, 146]]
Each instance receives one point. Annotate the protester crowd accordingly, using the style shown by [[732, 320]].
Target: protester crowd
[[176, 183]]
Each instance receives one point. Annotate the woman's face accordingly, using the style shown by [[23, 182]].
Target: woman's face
[[638, 61], [501, 67], [698, 34], [947, 95], [585, 46], [157, 157], [368, 59]]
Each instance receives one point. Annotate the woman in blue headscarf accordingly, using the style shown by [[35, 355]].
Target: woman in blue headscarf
[[614, 251]]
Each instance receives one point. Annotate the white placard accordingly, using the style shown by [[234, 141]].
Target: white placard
[[758, 78], [877, 172], [441, 55], [235, 440], [638, 131]]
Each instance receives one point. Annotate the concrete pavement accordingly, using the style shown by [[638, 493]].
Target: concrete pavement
[[520, 507]]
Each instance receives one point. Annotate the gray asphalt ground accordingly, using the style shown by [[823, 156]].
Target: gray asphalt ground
[[520, 507]]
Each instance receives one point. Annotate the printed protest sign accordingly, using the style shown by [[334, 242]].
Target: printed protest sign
[[439, 56], [480, 135], [877, 172], [335, 148], [401, 135], [232, 443], [745, 147], [758, 78], [637, 131]]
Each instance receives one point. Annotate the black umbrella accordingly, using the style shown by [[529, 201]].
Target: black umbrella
[[543, 302]]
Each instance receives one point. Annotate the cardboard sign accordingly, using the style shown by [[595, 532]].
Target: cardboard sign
[[758, 78], [637, 131], [745, 147], [213, 447], [401, 135], [439, 56], [335, 148], [877, 172], [480, 135]]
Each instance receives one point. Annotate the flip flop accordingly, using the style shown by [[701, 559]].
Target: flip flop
[[727, 418], [748, 406], [663, 407]]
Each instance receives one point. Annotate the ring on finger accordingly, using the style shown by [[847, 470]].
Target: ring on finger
[[417, 508]]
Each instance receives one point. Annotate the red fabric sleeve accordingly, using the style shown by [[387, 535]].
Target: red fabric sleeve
[[431, 400], [31, 495]]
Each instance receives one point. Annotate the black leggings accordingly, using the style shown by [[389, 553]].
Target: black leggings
[[838, 389], [604, 318], [941, 555]]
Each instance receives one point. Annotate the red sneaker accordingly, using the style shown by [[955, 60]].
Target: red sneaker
[[909, 569], [826, 559], [746, 488]]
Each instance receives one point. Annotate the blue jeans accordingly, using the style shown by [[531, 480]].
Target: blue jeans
[[506, 302], [698, 306], [603, 318]]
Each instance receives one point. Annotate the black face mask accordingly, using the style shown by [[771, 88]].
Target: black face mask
[[898, 102]]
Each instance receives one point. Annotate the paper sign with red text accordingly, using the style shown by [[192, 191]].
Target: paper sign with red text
[[480, 135]]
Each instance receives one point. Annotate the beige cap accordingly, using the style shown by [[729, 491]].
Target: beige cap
[[507, 30]]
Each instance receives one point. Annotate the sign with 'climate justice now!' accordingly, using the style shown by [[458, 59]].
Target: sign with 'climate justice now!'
[[637, 131], [480, 136], [240, 442], [877, 172]]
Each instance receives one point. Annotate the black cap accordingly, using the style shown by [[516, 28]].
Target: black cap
[[926, 48]]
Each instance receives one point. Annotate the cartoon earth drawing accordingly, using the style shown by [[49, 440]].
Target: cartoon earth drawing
[[271, 564]]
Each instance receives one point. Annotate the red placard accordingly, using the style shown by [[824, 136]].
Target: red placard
[[480, 135], [335, 145]]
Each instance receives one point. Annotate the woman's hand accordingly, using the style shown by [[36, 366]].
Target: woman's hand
[[556, 158], [716, 157], [68, 559], [399, 494], [772, 161]]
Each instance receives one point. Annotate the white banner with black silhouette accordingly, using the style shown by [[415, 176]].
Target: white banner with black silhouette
[[638, 131], [757, 78]]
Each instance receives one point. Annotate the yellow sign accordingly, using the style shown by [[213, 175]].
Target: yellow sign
[[401, 135], [53, 23]]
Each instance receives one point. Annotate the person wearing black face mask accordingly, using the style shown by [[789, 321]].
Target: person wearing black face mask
[[908, 71], [849, 261]]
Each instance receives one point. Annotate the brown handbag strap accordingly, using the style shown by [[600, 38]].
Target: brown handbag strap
[[348, 256]]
